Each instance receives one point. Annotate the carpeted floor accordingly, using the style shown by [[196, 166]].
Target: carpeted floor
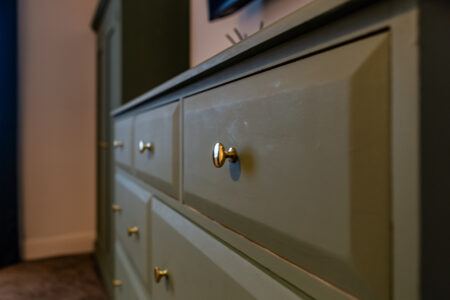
[[61, 278]]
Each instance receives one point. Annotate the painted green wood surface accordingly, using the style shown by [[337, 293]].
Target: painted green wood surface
[[135, 202], [155, 44], [159, 167], [312, 183], [278, 32], [123, 132], [398, 18], [130, 63], [108, 98], [130, 289], [201, 267]]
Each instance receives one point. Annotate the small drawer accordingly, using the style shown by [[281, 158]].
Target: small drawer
[[156, 147], [198, 266], [311, 181], [131, 218], [126, 284], [123, 141]]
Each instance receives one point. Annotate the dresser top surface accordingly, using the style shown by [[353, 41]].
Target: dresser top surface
[[301, 20]]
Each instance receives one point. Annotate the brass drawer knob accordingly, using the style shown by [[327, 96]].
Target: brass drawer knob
[[103, 144], [219, 155], [117, 144], [133, 230], [117, 283], [145, 146], [160, 274], [116, 208]]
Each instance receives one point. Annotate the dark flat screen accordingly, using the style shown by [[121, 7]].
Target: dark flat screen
[[222, 8]]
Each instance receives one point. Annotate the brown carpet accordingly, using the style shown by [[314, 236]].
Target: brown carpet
[[61, 278]]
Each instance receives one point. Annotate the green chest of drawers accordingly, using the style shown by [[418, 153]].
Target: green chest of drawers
[[283, 168]]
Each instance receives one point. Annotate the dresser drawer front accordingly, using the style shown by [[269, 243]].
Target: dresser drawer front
[[159, 164], [134, 213], [123, 139], [129, 287], [201, 267], [312, 180]]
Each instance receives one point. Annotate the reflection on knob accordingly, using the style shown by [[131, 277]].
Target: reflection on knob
[[219, 155], [117, 283], [133, 230], [160, 274], [145, 146], [116, 208], [117, 144]]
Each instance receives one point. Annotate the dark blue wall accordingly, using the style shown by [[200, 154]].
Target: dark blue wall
[[9, 237]]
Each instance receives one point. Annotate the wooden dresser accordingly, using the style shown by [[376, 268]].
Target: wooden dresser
[[286, 167]]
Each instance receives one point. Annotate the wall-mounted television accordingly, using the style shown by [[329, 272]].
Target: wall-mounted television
[[222, 8]]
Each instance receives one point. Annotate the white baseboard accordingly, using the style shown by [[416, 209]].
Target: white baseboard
[[66, 244]]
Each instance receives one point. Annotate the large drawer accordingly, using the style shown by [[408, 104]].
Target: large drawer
[[132, 222], [126, 284], [312, 178], [201, 267], [123, 139], [158, 164]]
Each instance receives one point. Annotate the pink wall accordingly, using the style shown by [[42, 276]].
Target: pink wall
[[208, 38], [57, 125]]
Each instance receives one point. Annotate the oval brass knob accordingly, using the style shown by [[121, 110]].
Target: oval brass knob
[[117, 283], [117, 144], [133, 230], [219, 155], [103, 144], [116, 207], [160, 274], [145, 146]]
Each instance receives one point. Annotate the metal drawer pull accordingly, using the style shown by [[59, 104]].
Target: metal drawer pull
[[116, 208], [103, 144], [219, 155], [133, 230], [160, 274], [117, 144], [117, 283], [145, 146]]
